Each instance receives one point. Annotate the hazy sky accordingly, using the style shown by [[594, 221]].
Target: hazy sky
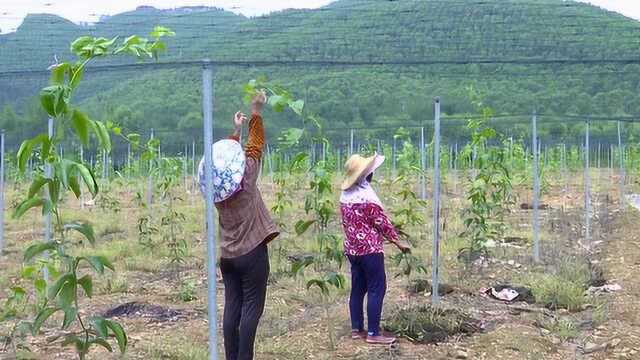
[[13, 11]]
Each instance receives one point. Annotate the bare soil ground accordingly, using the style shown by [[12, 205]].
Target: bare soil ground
[[144, 293]]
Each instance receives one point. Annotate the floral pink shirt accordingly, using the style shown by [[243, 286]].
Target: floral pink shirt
[[365, 227]]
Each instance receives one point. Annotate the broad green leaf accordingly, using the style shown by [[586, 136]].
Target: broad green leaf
[[87, 284], [84, 229], [75, 186], [36, 185], [302, 226], [100, 326], [26, 205], [99, 263], [63, 169], [70, 314], [41, 287], [41, 318], [37, 249], [320, 284], [103, 343], [121, 336], [68, 293], [57, 286], [81, 123], [79, 46], [297, 106], [76, 75], [88, 178], [24, 154], [58, 72], [103, 135]]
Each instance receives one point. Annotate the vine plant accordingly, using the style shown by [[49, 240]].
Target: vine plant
[[490, 190], [68, 273], [319, 203]]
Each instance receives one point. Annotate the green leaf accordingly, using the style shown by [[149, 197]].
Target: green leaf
[[58, 72], [75, 186], [297, 106], [100, 325], [121, 336], [99, 263], [320, 284], [41, 286], [103, 343], [87, 284], [161, 31], [68, 293], [302, 226], [76, 75], [70, 314], [37, 249], [24, 206], [81, 123], [41, 318], [83, 228], [103, 135], [55, 99], [88, 178], [337, 280], [36, 185], [57, 286]]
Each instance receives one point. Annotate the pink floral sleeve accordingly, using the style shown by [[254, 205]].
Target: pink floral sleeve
[[383, 224]]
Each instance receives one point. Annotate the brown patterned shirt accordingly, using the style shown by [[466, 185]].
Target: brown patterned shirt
[[245, 222]]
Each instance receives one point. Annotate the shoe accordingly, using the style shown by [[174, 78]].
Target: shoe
[[358, 335], [381, 340]]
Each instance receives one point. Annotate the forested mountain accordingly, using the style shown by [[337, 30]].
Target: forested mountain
[[558, 57]]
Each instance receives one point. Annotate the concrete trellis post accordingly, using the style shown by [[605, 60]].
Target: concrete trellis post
[[587, 188], [150, 178], [423, 166], [535, 148], [2, 147], [48, 173], [435, 257], [207, 106], [622, 169]]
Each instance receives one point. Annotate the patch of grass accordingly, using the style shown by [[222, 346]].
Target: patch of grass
[[187, 291], [556, 292], [600, 311], [563, 328], [563, 288], [143, 262], [426, 324], [115, 284], [182, 349]]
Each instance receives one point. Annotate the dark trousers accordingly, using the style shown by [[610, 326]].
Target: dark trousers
[[245, 289], [367, 278]]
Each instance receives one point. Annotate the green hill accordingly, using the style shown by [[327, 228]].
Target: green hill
[[521, 54]]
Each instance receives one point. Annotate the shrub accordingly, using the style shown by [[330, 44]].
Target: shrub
[[425, 324]]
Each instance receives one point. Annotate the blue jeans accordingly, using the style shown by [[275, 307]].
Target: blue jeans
[[367, 278]]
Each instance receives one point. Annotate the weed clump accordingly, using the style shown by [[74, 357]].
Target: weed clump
[[565, 288], [429, 325]]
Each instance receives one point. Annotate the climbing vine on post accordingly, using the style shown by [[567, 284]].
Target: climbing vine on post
[[490, 190], [71, 275]]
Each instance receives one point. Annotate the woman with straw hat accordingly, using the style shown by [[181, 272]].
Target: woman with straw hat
[[366, 226]]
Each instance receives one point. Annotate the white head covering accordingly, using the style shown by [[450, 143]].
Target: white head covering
[[362, 192]]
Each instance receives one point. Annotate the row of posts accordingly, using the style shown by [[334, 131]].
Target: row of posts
[[207, 103]]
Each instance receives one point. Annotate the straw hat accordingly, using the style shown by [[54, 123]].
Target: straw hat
[[229, 162], [358, 167]]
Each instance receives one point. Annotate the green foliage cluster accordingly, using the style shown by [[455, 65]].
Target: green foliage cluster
[[59, 279]]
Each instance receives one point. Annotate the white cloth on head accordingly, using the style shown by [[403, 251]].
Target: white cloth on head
[[362, 192]]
